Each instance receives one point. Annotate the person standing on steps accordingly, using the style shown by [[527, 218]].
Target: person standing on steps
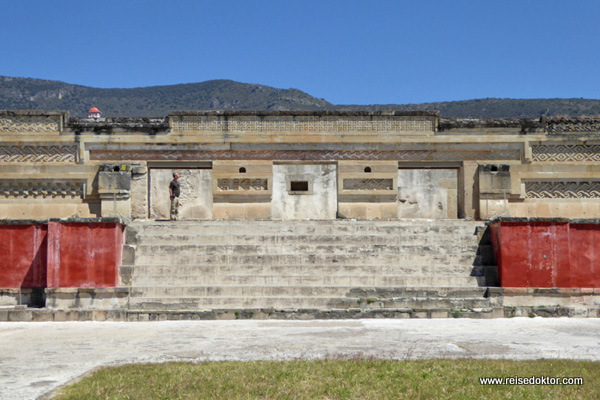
[[174, 192]]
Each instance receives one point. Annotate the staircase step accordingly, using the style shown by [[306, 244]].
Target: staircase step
[[275, 290], [289, 302], [157, 258], [283, 239], [294, 269], [305, 280], [303, 248], [311, 228], [241, 265]]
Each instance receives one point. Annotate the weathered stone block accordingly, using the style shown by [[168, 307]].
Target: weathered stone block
[[494, 179], [316, 200], [427, 193], [42, 315], [98, 315], [438, 314], [65, 315], [139, 196], [128, 257], [20, 315], [114, 181]]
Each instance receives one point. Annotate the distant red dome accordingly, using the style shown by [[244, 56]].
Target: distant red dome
[[94, 110]]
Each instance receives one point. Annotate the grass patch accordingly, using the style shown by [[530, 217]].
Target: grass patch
[[334, 379]]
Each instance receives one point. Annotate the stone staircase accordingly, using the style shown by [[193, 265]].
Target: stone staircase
[[391, 268]]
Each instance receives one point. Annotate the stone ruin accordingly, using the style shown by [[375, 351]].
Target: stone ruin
[[413, 187], [298, 165]]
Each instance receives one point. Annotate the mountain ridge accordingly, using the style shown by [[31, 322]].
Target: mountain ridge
[[224, 94]]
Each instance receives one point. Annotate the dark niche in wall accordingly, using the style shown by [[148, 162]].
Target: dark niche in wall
[[299, 186]]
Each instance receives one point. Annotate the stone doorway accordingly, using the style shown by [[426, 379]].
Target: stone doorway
[[428, 193], [196, 200]]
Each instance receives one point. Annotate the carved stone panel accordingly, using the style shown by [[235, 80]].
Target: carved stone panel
[[368, 184], [305, 155], [42, 189], [566, 126], [562, 190], [305, 123], [43, 154], [29, 123], [565, 153], [242, 184]]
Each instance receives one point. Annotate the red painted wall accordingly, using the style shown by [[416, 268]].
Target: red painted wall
[[23, 256], [84, 254], [585, 255], [547, 254], [60, 254]]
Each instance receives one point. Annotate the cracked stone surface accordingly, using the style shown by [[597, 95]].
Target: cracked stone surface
[[36, 358]]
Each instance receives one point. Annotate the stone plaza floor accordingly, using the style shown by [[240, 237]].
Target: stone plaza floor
[[38, 357]]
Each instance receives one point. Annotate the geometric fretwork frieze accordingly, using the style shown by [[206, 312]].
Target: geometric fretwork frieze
[[30, 123], [573, 126], [562, 189], [38, 153], [305, 124], [368, 184], [565, 152], [304, 155], [42, 188], [242, 184]]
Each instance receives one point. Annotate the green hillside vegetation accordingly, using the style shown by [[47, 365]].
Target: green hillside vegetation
[[157, 101], [154, 101], [500, 108]]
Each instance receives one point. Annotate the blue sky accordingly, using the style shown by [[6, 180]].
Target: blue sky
[[348, 52]]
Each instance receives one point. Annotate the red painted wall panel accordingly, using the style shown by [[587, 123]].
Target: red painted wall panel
[[84, 254], [60, 254], [547, 254], [585, 255], [548, 250], [23, 256], [562, 274], [515, 258]]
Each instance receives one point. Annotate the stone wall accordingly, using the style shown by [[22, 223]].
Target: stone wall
[[242, 189], [428, 193], [50, 165], [139, 192], [367, 189], [33, 121], [304, 191], [48, 190], [283, 122], [195, 201], [540, 190]]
